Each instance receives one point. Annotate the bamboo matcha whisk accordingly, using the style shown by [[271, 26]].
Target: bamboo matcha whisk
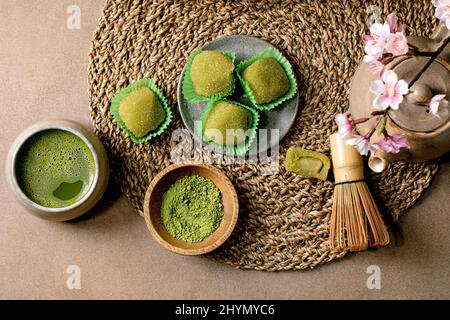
[[356, 223]]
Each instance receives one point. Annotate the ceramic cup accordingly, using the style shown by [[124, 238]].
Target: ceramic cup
[[99, 181]]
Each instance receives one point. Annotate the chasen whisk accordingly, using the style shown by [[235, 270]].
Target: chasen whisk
[[356, 223]]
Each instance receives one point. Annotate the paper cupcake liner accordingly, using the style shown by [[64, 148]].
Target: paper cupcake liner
[[240, 149], [125, 91], [274, 53], [187, 86]]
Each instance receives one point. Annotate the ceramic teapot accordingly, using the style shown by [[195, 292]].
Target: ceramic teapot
[[427, 74]]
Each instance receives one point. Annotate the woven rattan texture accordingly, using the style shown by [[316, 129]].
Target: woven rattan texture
[[284, 218]]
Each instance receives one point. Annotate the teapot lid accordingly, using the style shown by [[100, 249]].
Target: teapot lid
[[413, 115]]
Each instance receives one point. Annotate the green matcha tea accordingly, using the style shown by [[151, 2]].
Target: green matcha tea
[[54, 168], [192, 209]]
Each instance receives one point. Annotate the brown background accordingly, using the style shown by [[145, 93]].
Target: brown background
[[43, 75]]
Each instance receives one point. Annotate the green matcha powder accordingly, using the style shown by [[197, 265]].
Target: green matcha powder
[[192, 209]]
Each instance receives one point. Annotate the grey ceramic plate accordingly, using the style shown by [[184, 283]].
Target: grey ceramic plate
[[244, 47]]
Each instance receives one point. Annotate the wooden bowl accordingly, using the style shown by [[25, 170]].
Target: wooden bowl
[[153, 200]]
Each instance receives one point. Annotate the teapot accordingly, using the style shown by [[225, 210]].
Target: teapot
[[427, 74]]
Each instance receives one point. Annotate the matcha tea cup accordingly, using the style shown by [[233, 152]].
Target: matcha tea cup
[[57, 170]]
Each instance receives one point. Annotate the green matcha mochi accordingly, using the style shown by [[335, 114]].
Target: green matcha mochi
[[267, 80], [212, 73], [307, 163], [226, 115], [141, 111]]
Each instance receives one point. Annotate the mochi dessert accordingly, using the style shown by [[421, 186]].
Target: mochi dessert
[[211, 73], [141, 111], [226, 115], [267, 80], [307, 163]]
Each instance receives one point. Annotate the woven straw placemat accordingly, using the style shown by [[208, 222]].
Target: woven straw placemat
[[284, 219]]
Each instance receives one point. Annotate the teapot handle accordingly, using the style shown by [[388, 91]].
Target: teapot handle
[[434, 42], [440, 33]]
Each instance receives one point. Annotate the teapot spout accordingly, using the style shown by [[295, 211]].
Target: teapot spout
[[379, 161]]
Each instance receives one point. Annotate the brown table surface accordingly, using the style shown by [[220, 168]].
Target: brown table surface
[[43, 75]]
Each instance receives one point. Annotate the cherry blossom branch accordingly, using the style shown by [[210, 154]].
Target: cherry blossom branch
[[385, 42], [433, 56]]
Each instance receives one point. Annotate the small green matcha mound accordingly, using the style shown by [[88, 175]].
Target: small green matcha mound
[[192, 209], [267, 80], [141, 111], [212, 73], [228, 118], [307, 163]]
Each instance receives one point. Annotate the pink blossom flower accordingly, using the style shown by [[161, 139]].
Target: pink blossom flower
[[362, 144], [345, 126], [392, 143], [375, 66], [392, 22], [380, 31], [374, 46], [443, 11], [435, 103], [383, 39], [397, 44], [389, 91], [376, 41]]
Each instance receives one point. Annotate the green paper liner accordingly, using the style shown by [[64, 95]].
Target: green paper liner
[[125, 91], [188, 88], [274, 53], [240, 149]]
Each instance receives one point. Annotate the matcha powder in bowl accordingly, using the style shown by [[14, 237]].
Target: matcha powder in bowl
[[192, 209]]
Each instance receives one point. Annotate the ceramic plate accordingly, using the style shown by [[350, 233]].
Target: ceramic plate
[[244, 47]]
